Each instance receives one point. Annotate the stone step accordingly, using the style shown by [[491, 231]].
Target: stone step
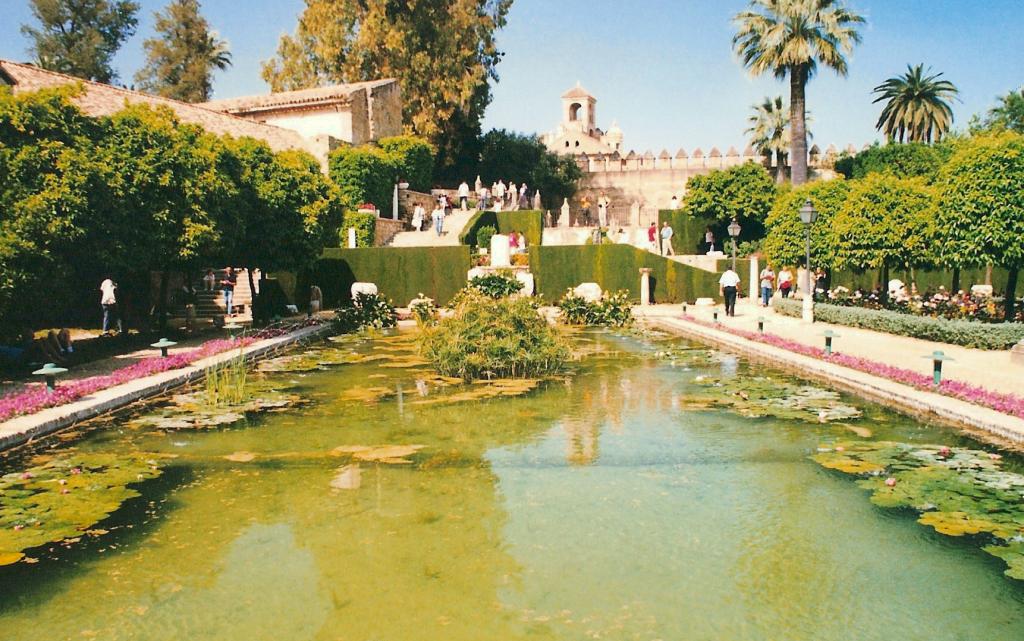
[[454, 223]]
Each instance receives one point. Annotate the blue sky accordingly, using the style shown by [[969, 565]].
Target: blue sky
[[663, 68]]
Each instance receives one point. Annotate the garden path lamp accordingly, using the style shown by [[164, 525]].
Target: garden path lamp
[[50, 372], [162, 345], [937, 357], [734, 233], [829, 335], [808, 214], [760, 324]]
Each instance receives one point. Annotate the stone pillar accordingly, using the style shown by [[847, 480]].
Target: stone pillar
[[807, 314], [500, 254], [1017, 353], [563, 220], [536, 200], [755, 279], [634, 214], [394, 204], [351, 237], [645, 285]]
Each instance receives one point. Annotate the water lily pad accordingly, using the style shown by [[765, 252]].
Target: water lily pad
[[367, 394], [761, 396], [241, 457], [395, 454], [65, 496]]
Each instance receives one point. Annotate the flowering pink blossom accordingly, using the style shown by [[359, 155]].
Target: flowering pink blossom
[[1005, 403]]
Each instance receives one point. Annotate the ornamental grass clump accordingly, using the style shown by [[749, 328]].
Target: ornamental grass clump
[[613, 310], [490, 338], [365, 311]]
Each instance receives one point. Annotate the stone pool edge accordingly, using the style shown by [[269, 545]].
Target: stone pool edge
[[22, 429], [978, 421]]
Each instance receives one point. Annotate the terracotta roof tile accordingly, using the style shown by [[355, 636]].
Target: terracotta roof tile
[[302, 97]]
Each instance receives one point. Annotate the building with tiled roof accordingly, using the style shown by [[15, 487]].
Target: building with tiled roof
[[313, 120]]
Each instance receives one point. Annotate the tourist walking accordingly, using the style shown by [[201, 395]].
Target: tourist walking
[[602, 210], [767, 285], [709, 239], [820, 284], [727, 285], [785, 281], [108, 302], [666, 240], [511, 196], [652, 238], [674, 203], [418, 214], [227, 285], [499, 192], [438, 218], [463, 196], [585, 208]]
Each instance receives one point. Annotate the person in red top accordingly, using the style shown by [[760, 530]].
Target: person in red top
[[652, 237]]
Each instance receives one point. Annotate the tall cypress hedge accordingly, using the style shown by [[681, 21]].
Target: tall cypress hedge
[[400, 273], [616, 267], [688, 231]]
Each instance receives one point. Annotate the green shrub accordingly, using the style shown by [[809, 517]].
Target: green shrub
[[424, 311], [413, 159], [495, 338], [365, 225], [483, 236], [499, 285], [367, 310], [613, 310], [364, 175], [941, 330], [528, 221]]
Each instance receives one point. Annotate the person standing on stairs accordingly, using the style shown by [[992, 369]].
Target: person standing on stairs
[[666, 240], [227, 285], [464, 196], [418, 214]]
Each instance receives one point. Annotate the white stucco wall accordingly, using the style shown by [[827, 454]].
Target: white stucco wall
[[329, 120]]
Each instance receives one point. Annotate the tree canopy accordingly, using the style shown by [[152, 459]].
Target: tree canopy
[[784, 242], [906, 160], [981, 220], [744, 192], [789, 39], [1007, 115], [180, 62], [443, 53], [80, 37], [510, 156], [885, 222], [769, 132]]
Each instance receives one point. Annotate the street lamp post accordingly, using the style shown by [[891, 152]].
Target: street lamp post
[[734, 232], [808, 214]]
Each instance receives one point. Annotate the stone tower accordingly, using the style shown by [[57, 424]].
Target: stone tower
[[578, 111], [578, 132]]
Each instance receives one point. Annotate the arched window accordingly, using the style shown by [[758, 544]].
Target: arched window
[[566, 143], [577, 143], [574, 111]]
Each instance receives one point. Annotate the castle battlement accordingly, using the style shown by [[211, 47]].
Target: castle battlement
[[697, 161]]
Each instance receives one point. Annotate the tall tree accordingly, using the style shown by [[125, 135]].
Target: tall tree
[[443, 53], [744, 192], [917, 106], [769, 132], [790, 38], [981, 221], [80, 37], [181, 61], [1008, 114]]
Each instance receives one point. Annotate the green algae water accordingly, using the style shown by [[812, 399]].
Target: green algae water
[[395, 506]]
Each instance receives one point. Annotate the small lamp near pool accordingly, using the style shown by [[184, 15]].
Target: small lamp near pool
[[760, 324], [714, 314], [162, 345], [50, 372], [938, 356], [829, 335]]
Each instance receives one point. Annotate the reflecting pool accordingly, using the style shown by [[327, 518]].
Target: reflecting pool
[[368, 500]]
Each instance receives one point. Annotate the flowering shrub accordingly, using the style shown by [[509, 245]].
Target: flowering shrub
[[938, 304], [613, 310], [36, 397], [955, 332], [1005, 403], [424, 310], [366, 310], [497, 285]]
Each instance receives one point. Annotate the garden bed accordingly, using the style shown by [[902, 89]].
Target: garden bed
[[975, 334]]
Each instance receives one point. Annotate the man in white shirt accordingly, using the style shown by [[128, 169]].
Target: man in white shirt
[[727, 285], [438, 218], [666, 240], [108, 301], [463, 196]]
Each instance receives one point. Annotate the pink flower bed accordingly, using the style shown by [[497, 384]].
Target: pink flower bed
[[1006, 403], [37, 398]]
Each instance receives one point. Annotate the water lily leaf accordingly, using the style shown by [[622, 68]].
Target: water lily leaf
[[367, 394], [379, 454], [240, 457], [961, 523], [7, 558]]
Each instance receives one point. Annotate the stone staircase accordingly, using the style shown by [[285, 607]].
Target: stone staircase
[[453, 226], [211, 304]]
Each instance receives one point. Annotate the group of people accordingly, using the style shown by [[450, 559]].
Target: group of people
[[419, 215], [53, 347], [516, 242], [770, 282], [500, 196], [661, 242]]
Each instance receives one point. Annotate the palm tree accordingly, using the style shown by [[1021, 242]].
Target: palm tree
[[769, 132], [791, 38], [917, 106], [1009, 113]]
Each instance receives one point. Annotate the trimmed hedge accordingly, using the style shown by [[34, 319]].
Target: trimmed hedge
[[616, 267], [400, 273], [926, 279], [688, 231], [528, 221], [954, 332]]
